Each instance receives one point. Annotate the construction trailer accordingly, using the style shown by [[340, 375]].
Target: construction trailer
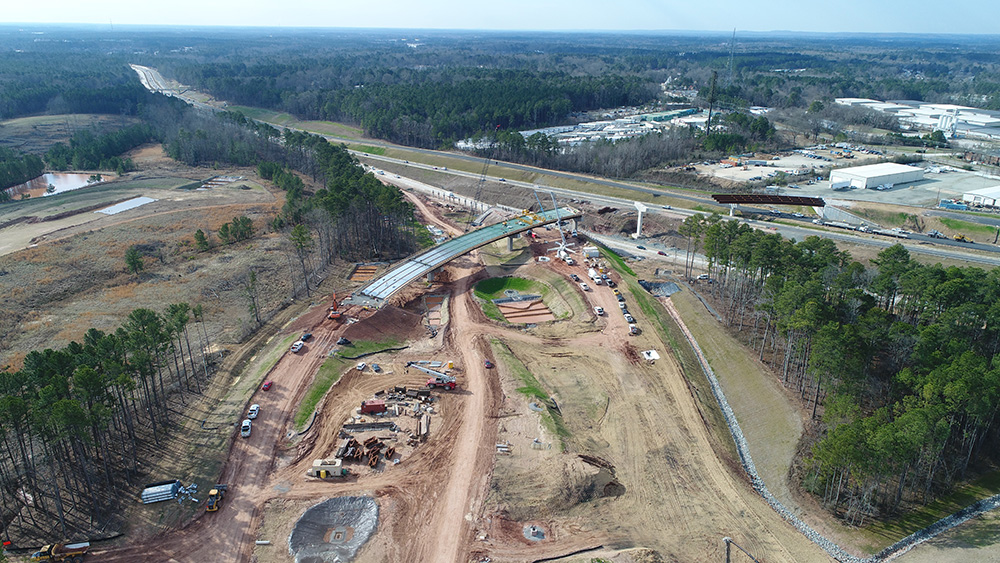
[[375, 406], [327, 469]]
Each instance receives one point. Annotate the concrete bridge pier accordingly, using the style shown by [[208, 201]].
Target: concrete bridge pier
[[510, 244]]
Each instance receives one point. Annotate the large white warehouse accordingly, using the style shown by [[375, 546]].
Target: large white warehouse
[[877, 174], [989, 197]]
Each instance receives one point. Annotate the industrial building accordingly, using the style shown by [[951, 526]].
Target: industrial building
[[987, 197], [874, 175], [954, 120]]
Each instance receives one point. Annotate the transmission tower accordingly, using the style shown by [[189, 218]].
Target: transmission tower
[[711, 103], [732, 55]]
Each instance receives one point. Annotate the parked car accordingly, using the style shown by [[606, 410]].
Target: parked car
[[306, 336], [661, 253], [640, 247], [297, 346], [343, 341], [584, 286], [266, 386], [611, 283], [362, 366], [488, 364], [598, 311], [703, 276], [376, 368], [253, 412], [629, 319], [245, 428], [574, 277], [621, 305], [621, 297]]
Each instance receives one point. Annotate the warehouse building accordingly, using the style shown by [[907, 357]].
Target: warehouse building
[[875, 175], [988, 197]]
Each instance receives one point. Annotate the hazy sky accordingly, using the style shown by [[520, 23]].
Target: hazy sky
[[908, 16]]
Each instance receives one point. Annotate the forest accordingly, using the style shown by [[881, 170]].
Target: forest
[[17, 168], [76, 420], [898, 363]]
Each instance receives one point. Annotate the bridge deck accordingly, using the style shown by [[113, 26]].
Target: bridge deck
[[428, 260]]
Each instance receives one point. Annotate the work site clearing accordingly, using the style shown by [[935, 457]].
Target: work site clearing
[[568, 443], [559, 441]]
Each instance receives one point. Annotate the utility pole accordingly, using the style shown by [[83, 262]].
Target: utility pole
[[729, 542]]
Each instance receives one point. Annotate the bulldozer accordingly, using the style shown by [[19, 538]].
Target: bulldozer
[[215, 497], [962, 238]]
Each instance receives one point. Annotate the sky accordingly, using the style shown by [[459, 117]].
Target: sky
[[872, 16]]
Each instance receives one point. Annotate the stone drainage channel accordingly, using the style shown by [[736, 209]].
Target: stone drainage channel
[[835, 551]]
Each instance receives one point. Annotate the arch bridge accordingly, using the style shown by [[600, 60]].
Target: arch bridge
[[429, 260]]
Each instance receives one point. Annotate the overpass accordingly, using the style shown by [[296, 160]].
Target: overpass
[[425, 262]]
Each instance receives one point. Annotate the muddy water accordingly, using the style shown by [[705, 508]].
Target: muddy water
[[63, 182]]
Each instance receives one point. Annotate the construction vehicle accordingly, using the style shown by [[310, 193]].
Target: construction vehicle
[[327, 469], [62, 552], [962, 238], [215, 497], [334, 309], [439, 380]]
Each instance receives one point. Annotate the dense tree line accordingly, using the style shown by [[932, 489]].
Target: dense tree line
[[899, 363], [87, 151], [17, 168], [617, 159], [73, 421]]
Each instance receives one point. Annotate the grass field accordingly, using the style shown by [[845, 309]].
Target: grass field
[[967, 227], [885, 533], [288, 120], [329, 373]]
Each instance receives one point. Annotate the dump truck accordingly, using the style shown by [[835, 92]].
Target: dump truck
[[327, 469], [62, 552], [215, 497]]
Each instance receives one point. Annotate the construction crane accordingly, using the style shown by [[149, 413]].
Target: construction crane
[[479, 192], [438, 380]]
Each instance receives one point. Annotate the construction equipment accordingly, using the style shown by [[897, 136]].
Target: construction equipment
[[62, 552], [334, 309], [439, 380], [962, 238], [327, 469], [215, 497]]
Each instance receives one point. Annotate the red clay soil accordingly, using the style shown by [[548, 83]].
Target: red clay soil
[[526, 312]]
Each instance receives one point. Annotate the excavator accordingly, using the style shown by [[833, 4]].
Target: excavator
[[334, 311]]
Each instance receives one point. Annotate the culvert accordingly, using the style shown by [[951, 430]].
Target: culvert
[[334, 530]]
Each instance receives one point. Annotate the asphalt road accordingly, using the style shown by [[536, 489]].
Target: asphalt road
[[941, 248]]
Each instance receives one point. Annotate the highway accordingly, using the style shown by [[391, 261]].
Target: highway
[[940, 248]]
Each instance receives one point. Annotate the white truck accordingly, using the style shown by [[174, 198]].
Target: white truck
[[593, 275]]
